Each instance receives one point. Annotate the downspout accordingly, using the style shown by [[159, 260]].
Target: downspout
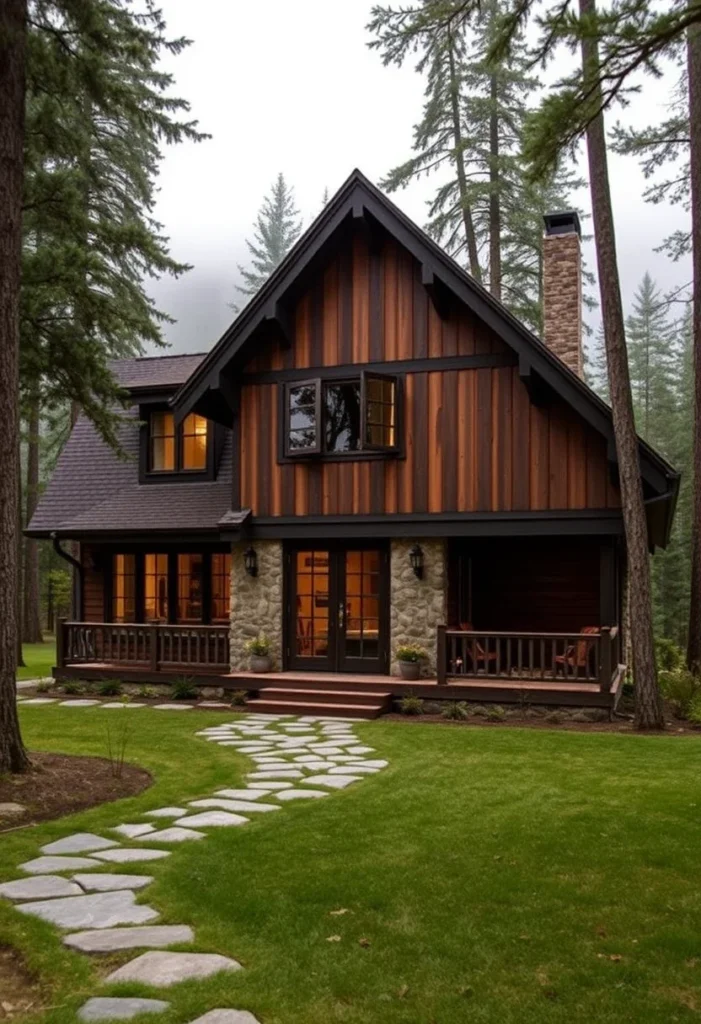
[[78, 568]]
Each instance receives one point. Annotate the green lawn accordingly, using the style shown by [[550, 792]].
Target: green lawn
[[39, 659], [499, 875]]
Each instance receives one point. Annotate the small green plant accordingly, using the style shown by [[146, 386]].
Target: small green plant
[[258, 646], [239, 698], [117, 739], [147, 692], [694, 713], [668, 655], [44, 686], [71, 687], [411, 653], [411, 705], [110, 688], [458, 711], [680, 688], [184, 688], [495, 713]]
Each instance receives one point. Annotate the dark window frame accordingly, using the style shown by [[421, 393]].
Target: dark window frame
[[147, 475], [367, 451]]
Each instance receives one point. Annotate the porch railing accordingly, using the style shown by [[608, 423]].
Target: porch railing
[[154, 647], [586, 657]]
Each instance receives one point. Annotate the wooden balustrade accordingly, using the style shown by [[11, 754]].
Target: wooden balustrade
[[138, 645], [589, 656]]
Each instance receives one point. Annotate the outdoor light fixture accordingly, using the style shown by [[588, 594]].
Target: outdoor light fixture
[[250, 560], [416, 557]]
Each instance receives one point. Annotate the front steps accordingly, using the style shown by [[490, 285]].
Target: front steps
[[328, 700]]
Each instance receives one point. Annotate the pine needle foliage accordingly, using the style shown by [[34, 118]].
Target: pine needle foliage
[[277, 228]]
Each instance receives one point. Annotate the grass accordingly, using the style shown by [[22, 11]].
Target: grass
[[39, 659], [490, 875]]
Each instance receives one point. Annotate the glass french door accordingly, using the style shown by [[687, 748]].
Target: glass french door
[[338, 609]]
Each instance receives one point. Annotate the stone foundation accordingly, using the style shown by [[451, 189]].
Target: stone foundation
[[256, 601], [417, 606]]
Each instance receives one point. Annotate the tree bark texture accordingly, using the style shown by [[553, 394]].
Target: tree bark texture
[[694, 76], [13, 15], [648, 705], [31, 619], [494, 195]]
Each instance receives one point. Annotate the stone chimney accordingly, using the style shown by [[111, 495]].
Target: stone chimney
[[562, 288]]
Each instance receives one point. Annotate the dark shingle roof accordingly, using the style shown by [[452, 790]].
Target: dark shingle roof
[[93, 490]]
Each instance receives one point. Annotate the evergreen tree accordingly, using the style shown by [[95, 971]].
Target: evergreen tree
[[595, 369], [651, 358], [277, 228]]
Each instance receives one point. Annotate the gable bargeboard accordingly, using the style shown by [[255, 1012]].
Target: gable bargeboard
[[472, 439]]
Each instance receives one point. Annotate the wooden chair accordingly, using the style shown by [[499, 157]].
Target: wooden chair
[[577, 655], [476, 652]]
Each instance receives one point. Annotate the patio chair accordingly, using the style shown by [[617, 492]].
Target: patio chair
[[476, 652], [577, 655]]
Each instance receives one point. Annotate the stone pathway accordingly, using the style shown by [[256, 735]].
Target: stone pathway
[[294, 759]]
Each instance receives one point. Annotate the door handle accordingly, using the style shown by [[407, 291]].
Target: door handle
[[341, 614]]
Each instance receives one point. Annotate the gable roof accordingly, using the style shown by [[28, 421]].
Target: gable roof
[[93, 491], [359, 198]]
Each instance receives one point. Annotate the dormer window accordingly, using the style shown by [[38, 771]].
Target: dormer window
[[338, 418], [184, 449]]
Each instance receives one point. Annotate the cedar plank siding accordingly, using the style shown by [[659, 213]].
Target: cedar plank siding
[[506, 453], [93, 587]]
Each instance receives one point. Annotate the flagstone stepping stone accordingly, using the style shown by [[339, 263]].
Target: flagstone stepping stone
[[242, 794], [234, 805], [332, 781], [213, 704], [109, 940], [80, 842], [300, 794], [165, 812], [172, 707], [212, 819], [369, 764], [307, 759], [289, 773], [78, 703], [343, 758], [322, 748], [122, 704], [226, 1017], [175, 835], [49, 865], [164, 969], [107, 882], [113, 1008], [361, 769], [318, 766], [270, 787], [133, 831], [361, 750], [43, 887], [99, 910], [41, 700], [127, 856]]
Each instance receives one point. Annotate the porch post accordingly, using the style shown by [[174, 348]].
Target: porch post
[[441, 657], [61, 644], [605, 660]]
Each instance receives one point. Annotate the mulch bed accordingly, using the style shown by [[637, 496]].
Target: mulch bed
[[19, 990], [59, 784]]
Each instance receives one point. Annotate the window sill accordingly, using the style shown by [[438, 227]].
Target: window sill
[[366, 456]]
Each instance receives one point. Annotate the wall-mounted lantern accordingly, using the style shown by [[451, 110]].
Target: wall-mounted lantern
[[416, 557], [250, 561]]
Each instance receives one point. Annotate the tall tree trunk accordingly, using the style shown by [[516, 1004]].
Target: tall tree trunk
[[20, 553], [470, 237], [494, 194], [31, 625], [13, 41], [693, 654], [648, 705]]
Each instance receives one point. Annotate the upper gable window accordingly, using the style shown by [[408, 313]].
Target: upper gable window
[[341, 417], [175, 450]]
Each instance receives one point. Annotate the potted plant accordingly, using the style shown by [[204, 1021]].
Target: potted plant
[[410, 657], [258, 649]]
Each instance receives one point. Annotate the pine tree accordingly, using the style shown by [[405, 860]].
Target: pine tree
[[277, 228], [595, 369], [651, 358]]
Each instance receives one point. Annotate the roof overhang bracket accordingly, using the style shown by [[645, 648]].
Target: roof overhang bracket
[[231, 393], [437, 291], [278, 317], [370, 227], [538, 391]]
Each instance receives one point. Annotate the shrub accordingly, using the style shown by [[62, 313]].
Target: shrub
[[456, 710], [680, 688], [44, 686], [110, 688], [239, 698], [184, 688], [72, 687], [432, 707], [668, 655], [695, 708], [147, 691], [411, 705], [496, 713], [410, 652], [258, 646]]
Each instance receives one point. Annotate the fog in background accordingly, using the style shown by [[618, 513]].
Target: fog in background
[[292, 87]]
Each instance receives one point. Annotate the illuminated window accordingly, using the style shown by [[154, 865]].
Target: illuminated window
[[123, 589], [156, 588], [162, 454], [221, 586], [194, 442], [190, 588]]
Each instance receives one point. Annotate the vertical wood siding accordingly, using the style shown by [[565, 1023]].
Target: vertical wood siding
[[93, 588]]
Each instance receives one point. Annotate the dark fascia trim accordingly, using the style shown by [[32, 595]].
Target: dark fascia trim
[[164, 535], [487, 361], [605, 522], [359, 198]]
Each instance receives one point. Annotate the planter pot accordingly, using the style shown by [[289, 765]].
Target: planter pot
[[261, 663], [409, 669]]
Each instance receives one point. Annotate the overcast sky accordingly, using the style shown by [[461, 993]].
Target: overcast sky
[[292, 87]]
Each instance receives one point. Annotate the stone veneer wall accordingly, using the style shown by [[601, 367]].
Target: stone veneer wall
[[256, 601], [562, 298], [417, 606]]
